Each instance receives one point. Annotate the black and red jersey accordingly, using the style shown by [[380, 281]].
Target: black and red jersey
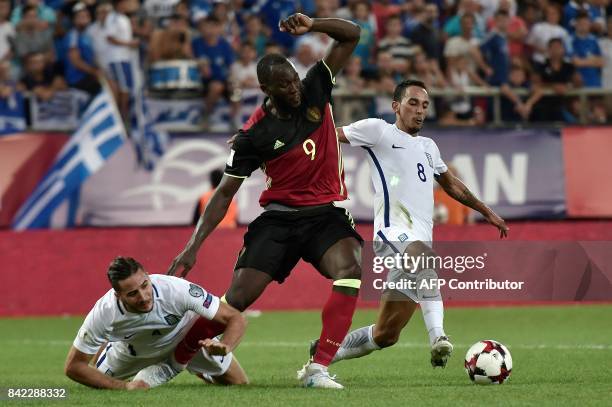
[[301, 156]]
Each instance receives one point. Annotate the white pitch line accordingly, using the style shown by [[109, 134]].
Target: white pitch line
[[283, 344]]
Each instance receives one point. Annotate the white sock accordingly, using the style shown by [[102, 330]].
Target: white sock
[[433, 315], [356, 344]]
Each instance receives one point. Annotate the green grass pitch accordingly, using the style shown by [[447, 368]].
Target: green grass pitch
[[562, 356]]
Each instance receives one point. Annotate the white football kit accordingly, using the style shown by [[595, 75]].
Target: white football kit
[[138, 340], [402, 167]]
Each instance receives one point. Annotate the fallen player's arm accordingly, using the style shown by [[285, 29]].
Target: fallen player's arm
[[461, 193], [78, 369], [235, 325]]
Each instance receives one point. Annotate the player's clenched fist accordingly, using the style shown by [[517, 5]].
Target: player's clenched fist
[[296, 24]]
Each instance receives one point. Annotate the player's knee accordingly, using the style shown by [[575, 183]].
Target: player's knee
[[350, 271]]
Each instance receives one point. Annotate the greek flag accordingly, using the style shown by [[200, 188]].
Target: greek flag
[[99, 135], [150, 142]]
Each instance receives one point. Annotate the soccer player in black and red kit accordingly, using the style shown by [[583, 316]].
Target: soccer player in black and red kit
[[292, 138]]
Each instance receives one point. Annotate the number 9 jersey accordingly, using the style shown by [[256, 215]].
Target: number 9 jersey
[[301, 155]]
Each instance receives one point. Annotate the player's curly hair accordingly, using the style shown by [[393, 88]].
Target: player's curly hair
[[400, 89], [121, 268]]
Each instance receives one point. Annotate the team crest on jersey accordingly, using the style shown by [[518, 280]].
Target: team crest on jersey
[[195, 290], [429, 159], [207, 301], [403, 237], [172, 319], [313, 114]]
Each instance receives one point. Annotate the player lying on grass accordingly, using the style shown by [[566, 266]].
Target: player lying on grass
[[155, 327], [403, 165], [293, 139]]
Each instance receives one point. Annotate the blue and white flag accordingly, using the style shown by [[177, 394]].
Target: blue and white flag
[[12, 114], [100, 133], [149, 141]]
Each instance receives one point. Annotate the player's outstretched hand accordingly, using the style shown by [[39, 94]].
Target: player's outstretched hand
[[186, 260], [214, 348], [499, 223], [136, 385], [296, 24]]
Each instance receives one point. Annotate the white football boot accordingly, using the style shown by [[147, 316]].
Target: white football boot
[[158, 374], [316, 376], [441, 351]]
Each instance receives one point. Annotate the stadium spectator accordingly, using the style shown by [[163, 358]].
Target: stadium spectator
[[273, 11], [515, 107], [243, 81], [303, 59], [586, 53], [171, 42], [80, 70], [454, 25], [227, 18], [352, 83], [215, 56], [122, 52], [7, 86], [427, 72], [605, 44], [517, 29], [460, 76], [495, 50], [574, 7], [231, 217], [542, 32], [44, 13], [466, 47], [397, 45], [7, 30], [427, 35], [40, 77], [254, 33], [558, 75], [97, 33], [33, 35], [365, 49]]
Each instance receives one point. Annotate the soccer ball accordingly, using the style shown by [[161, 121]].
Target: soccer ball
[[488, 362]]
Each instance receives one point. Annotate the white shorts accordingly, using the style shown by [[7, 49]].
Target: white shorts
[[116, 360], [394, 240]]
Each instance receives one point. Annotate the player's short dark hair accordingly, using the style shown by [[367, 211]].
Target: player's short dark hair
[[400, 89], [582, 14], [266, 65], [121, 268]]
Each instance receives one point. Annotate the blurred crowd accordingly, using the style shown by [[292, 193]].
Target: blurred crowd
[[534, 51]]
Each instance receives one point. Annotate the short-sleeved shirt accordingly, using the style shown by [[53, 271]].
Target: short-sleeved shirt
[[403, 168], [220, 56], [585, 47], [300, 156], [146, 334], [84, 44], [118, 26], [562, 75]]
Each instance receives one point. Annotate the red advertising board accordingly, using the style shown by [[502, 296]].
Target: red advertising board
[[586, 156]]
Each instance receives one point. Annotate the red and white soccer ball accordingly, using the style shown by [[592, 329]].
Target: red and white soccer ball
[[488, 362]]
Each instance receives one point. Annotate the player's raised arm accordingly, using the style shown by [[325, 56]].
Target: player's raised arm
[[461, 193], [78, 369], [213, 214], [344, 32]]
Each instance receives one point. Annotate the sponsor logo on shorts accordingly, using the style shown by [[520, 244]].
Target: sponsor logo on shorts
[[403, 237], [195, 290], [208, 300]]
